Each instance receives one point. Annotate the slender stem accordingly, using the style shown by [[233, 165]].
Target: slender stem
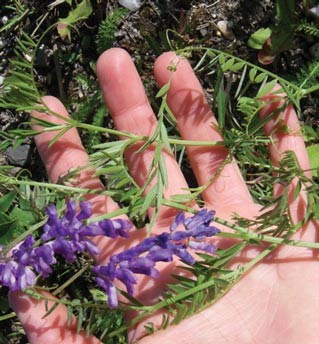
[[59, 187], [196, 143], [107, 130], [109, 215], [71, 280], [270, 239], [8, 316]]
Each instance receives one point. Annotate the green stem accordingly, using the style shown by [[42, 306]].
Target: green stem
[[274, 240], [196, 143], [107, 130], [59, 187], [71, 280]]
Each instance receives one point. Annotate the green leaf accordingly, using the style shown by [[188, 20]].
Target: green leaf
[[163, 91], [237, 66], [226, 255], [256, 123], [98, 295], [267, 88], [24, 217], [309, 133], [7, 200], [258, 38], [82, 11], [221, 59], [9, 229], [252, 74], [297, 190], [228, 64], [221, 100], [109, 170], [59, 135], [313, 153], [80, 318], [6, 222], [149, 199], [169, 115], [260, 78]]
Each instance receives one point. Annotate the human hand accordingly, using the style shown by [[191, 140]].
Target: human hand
[[275, 302]]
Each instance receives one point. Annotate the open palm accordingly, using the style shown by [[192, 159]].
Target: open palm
[[275, 302]]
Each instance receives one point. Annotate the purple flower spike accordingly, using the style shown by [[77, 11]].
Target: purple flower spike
[[69, 233], [142, 258], [67, 236]]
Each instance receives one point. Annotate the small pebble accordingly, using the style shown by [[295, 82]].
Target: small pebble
[[27, 57], [1, 80], [132, 5], [4, 20], [225, 28], [19, 156]]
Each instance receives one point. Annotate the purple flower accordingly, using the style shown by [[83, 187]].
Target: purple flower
[[23, 254], [114, 228], [16, 276], [67, 236], [43, 258], [38, 257], [142, 258], [17, 273], [70, 233]]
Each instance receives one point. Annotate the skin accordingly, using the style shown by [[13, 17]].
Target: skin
[[276, 301]]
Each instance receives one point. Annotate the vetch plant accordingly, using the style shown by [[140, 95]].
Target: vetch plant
[[69, 235], [142, 258]]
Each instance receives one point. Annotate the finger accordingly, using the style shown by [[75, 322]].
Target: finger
[[52, 329], [125, 97], [284, 129], [285, 132], [67, 154], [196, 122]]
